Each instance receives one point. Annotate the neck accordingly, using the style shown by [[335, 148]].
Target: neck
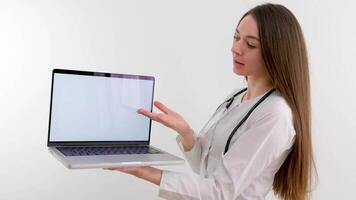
[[257, 87]]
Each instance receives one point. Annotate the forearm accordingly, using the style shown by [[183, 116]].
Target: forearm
[[188, 142], [150, 174], [187, 139]]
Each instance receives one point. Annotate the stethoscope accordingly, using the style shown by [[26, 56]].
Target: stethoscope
[[229, 102]]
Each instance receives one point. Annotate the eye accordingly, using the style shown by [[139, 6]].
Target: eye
[[250, 45], [236, 38]]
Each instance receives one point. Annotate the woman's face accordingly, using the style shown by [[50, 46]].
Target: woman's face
[[246, 51]]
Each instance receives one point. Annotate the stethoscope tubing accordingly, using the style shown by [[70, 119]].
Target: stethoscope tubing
[[229, 102]]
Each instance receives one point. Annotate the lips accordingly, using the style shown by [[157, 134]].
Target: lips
[[237, 62]]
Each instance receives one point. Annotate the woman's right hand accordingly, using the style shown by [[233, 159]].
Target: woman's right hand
[[172, 120]]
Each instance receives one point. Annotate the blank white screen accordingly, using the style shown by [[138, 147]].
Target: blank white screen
[[93, 108]]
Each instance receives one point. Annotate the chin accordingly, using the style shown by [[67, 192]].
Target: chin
[[238, 72]]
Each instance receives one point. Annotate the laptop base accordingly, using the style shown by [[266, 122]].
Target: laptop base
[[112, 161]]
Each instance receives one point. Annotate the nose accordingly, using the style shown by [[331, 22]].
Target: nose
[[236, 48]]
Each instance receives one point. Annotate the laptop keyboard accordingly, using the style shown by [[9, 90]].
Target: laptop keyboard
[[88, 151]]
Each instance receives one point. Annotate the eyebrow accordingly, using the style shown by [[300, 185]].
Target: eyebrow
[[249, 36]]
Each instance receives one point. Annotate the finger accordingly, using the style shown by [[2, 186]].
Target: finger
[[163, 108], [142, 112], [151, 115], [145, 113]]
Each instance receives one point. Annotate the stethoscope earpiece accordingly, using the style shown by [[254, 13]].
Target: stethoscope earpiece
[[229, 103], [233, 97]]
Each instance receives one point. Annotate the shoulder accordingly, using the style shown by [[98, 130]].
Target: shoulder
[[276, 118], [275, 106]]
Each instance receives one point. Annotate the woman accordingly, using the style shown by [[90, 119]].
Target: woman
[[259, 137]]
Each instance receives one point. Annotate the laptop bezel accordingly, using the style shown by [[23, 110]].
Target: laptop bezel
[[97, 143]]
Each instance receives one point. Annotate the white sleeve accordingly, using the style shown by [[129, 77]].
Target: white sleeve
[[193, 156], [257, 148]]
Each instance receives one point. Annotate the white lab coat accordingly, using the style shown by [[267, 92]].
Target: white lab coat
[[256, 152]]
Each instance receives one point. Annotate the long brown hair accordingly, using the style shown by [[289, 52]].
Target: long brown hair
[[284, 53]]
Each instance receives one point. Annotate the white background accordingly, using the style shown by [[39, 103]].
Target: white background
[[186, 46]]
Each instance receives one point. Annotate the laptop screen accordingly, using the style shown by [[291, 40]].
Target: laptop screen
[[95, 107]]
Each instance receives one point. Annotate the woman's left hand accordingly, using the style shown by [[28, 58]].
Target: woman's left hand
[[148, 173]]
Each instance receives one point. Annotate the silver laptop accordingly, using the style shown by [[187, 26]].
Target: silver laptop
[[93, 121]]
